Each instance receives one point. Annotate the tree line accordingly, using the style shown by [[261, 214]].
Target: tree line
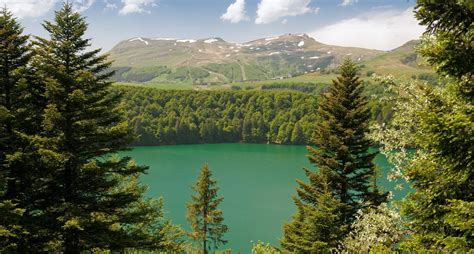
[[190, 117], [164, 117]]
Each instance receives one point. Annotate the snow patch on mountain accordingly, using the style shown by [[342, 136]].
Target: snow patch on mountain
[[272, 38], [140, 39], [164, 39], [187, 40], [209, 41]]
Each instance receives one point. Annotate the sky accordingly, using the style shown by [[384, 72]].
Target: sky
[[375, 24]]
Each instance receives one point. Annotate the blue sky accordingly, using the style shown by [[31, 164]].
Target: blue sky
[[380, 24]]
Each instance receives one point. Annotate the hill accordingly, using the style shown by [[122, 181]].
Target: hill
[[168, 62]]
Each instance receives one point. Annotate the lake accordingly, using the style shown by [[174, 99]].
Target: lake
[[257, 182]]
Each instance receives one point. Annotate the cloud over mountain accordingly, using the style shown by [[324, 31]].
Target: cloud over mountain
[[136, 6], [235, 12], [269, 11], [383, 30]]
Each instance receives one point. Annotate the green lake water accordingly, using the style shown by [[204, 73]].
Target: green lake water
[[257, 182]]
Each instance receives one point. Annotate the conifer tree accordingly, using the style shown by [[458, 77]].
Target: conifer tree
[[14, 186], [14, 57], [93, 198], [315, 229], [205, 218], [441, 210], [343, 159]]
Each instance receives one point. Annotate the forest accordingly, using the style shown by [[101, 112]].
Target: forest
[[163, 117], [66, 188]]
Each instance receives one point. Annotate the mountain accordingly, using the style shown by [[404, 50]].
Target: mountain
[[400, 61], [215, 61]]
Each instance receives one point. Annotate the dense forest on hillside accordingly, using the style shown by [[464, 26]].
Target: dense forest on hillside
[[180, 117], [189, 117]]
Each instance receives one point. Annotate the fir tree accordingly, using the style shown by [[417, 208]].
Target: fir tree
[[342, 153], [17, 170], [441, 208], [343, 159], [94, 199], [315, 229], [205, 219], [14, 57]]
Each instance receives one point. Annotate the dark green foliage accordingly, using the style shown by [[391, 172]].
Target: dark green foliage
[[306, 88], [144, 74], [180, 117], [119, 72], [232, 71], [17, 168], [369, 73], [342, 152], [91, 199], [428, 77], [205, 218], [441, 210], [190, 74], [410, 59], [14, 57], [315, 229], [346, 168], [449, 47]]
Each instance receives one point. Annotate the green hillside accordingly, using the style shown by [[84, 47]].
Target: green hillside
[[210, 64]]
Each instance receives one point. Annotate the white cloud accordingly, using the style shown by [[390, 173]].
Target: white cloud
[[269, 11], [235, 12], [136, 6], [111, 6], [28, 8], [348, 2], [376, 30], [82, 5], [37, 8]]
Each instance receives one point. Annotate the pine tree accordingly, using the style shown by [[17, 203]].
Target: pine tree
[[297, 136], [342, 152], [94, 199], [205, 219], [315, 229], [342, 157], [14, 57], [441, 209], [15, 175]]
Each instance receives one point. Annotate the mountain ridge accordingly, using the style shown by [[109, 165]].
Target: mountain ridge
[[215, 61]]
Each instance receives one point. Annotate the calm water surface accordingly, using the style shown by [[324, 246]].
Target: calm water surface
[[257, 182]]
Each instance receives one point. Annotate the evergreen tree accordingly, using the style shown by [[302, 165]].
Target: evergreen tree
[[297, 136], [17, 113], [94, 199], [14, 57], [343, 159], [315, 229], [205, 219], [441, 208], [342, 153]]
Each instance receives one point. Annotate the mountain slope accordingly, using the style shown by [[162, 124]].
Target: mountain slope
[[215, 61]]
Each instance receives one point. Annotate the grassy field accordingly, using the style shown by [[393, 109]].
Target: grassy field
[[165, 86], [308, 79], [381, 65]]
